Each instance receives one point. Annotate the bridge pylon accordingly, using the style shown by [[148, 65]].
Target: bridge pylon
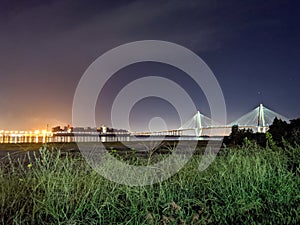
[[198, 128], [261, 124]]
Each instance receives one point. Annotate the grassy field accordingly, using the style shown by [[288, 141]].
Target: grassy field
[[247, 185]]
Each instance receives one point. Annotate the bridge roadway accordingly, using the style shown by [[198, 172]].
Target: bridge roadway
[[179, 132], [172, 132]]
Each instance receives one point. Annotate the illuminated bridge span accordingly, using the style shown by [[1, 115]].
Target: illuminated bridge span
[[259, 120]]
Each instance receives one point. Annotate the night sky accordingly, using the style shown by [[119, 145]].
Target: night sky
[[253, 48]]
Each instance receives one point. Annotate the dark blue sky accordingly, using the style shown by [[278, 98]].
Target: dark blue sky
[[253, 48]]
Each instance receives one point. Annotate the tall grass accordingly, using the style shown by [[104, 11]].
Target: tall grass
[[247, 185]]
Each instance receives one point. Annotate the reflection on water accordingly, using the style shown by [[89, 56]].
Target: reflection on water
[[45, 139]]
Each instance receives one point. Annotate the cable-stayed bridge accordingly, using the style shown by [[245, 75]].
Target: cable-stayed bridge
[[258, 119]]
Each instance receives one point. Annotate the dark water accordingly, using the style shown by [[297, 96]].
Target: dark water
[[132, 139], [69, 139]]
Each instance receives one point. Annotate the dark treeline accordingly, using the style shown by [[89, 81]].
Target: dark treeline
[[280, 133]]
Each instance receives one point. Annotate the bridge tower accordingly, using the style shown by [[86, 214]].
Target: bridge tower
[[261, 125], [198, 128]]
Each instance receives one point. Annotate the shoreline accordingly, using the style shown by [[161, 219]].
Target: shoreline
[[140, 147]]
